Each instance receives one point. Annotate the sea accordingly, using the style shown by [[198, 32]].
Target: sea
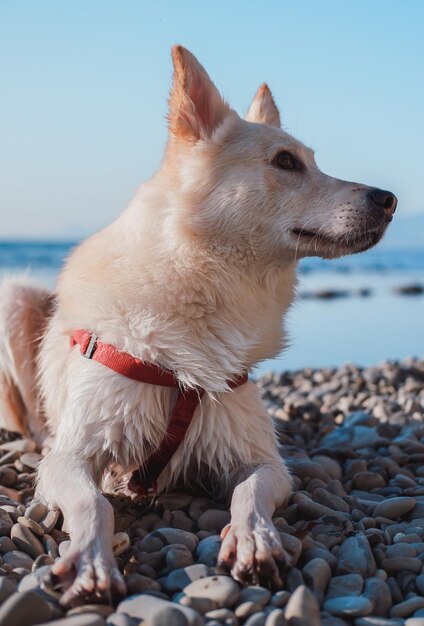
[[348, 310]]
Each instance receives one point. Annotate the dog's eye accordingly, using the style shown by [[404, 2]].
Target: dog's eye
[[285, 161]]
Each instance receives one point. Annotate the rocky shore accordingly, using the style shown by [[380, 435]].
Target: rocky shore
[[354, 528]]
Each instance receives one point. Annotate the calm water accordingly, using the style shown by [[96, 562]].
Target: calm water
[[362, 330]]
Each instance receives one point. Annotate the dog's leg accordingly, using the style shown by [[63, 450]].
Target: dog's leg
[[251, 546], [88, 570]]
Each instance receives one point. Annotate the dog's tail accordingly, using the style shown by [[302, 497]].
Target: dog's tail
[[25, 308]]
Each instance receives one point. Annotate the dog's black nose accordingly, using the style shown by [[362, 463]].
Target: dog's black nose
[[386, 200]]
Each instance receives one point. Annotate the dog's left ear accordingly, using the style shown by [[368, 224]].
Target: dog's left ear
[[196, 107], [263, 109]]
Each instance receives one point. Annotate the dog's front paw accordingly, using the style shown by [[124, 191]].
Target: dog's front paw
[[253, 553], [86, 576]]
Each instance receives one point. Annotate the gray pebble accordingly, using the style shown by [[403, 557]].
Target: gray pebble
[[6, 545], [31, 524], [16, 558], [258, 619], [26, 540], [136, 583], [399, 550], [378, 592], [84, 619], [316, 574], [120, 619], [224, 616], [174, 501], [178, 557], [398, 564], [50, 520], [7, 587], [303, 608], [24, 609], [378, 621], [208, 549], [175, 535], [36, 511], [280, 598], [148, 607], [223, 590], [214, 520], [245, 609], [347, 585], [180, 578], [258, 595], [276, 618], [407, 608], [349, 606], [355, 556], [6, 522], [201, 605], [392, 508]]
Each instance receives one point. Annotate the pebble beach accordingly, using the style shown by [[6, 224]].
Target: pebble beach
[[353, 439]]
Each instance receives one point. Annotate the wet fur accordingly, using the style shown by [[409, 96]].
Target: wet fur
[[195, 276]]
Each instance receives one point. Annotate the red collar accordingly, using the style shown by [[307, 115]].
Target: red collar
[[144, 480]]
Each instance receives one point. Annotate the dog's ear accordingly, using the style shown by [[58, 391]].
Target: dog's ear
[[196, 107], [263, 109]]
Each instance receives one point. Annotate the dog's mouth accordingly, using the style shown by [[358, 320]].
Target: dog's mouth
[[327, 245]]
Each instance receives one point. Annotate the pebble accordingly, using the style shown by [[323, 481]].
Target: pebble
[[159, 612], [31, 524], [30, 459], [257, 595], [392, 508], [50, 520], [378, 621], [6, 522], [180, 578], [208, 549], [24, 609], [7, 587], [84, 619], [16, 558], [214, 520], [349, 606], [408, 607], [26, 541], [175, 535], [302, 609], [223, 616], [399, 564], [354, 530], [316, 574], [120, 543], [355, 556], [223, 590], [347, 585]]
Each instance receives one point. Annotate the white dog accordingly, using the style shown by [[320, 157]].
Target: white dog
[[194, 278]]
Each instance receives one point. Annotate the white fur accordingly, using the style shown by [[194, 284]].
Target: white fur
[[195, 276]]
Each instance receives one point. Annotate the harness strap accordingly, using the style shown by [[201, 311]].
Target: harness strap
[[144, 480]]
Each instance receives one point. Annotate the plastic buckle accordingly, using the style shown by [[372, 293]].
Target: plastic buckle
[[88, 352]]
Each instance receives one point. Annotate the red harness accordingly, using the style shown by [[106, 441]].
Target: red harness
[[144, 480]]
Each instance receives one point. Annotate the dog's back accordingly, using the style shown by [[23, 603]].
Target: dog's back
[[24, 309]]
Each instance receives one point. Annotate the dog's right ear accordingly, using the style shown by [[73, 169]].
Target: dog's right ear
[[196, 107], [263, 109]]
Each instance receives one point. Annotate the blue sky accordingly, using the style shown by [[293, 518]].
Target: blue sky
[[84, 88]]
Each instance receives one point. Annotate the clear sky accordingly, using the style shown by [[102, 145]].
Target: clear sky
[[84, 85]]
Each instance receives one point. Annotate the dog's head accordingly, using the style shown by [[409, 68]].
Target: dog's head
[[248, 185]]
